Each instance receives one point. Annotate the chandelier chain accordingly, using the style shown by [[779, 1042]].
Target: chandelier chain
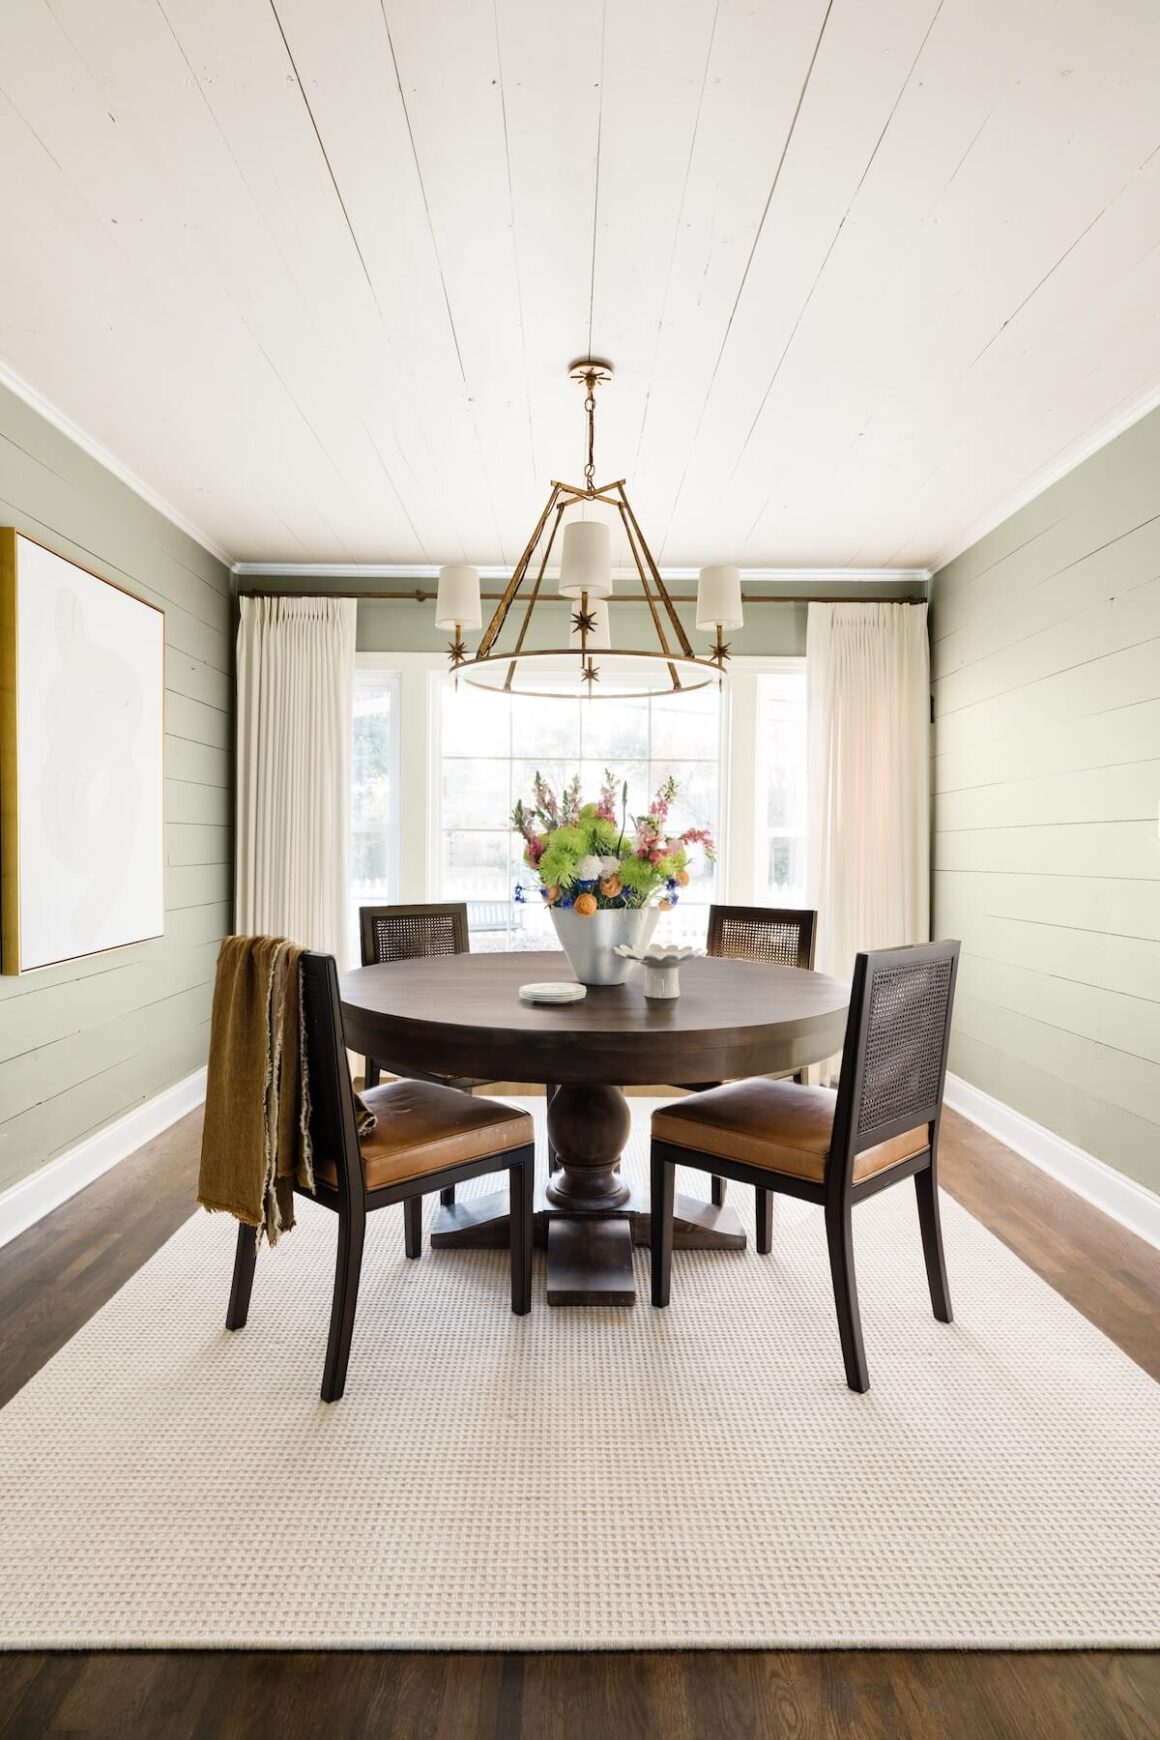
[[590, 407]]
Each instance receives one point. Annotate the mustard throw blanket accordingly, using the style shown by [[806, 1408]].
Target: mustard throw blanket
[[256, 1137]]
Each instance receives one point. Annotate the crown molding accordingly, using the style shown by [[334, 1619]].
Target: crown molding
[[430, 571], [64, 425], [1131, 410]]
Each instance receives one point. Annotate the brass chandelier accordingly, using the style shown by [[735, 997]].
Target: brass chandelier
[[510, 658]]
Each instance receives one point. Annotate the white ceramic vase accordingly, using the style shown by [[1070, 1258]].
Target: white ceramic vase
[[589, 941]]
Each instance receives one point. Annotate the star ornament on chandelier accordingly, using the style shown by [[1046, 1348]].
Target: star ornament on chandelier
[[589, 672], [584, 621], [720, 652], [457, 652]]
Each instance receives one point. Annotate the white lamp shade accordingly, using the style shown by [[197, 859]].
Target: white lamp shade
[[586, 565], [457, 603], [600, 634], [719, 598]]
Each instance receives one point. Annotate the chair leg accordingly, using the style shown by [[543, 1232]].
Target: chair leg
[[930, 1222], [664, 1185], [370, 1073], [521, 1187], [245, 1257], [413, 1226], [553, 1161], [352, 1223], [716, 1185], [764, 1221], [447, 1196], [839, 1236]]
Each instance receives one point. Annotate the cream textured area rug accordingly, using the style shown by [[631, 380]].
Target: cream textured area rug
[[584, 1478]]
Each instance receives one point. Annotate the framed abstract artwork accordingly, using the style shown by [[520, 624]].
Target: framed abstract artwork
[[82, 736]]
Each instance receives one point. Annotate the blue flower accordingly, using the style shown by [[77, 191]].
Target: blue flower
[[519, 896], [671, 884], [565, 902]]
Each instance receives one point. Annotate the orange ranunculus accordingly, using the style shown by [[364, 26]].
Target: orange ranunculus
[[664, 906], [553, 893], [610, 887], [585, 905], [683, 878]]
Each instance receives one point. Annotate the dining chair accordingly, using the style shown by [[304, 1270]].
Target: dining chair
[[409, 933], [833, 1148], [782, 935], [425, 1135], [785, 936]]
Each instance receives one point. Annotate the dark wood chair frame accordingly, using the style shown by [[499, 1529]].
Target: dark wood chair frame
[[806, 920], [837, 1193], [456, 911], [334, 1132]]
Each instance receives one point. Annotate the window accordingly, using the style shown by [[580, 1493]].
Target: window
[[437, 770], [780, 820], [374, 803], [493, 745]]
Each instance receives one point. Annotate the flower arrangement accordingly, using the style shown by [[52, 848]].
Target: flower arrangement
[[588, 861]]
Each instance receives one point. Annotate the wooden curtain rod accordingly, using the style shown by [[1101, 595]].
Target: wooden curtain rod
[[419, 596]]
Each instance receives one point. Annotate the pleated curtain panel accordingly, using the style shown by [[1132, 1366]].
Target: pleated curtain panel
[[868, 705], [295, 699]]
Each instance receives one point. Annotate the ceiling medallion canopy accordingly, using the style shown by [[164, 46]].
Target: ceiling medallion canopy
[[519, 654]]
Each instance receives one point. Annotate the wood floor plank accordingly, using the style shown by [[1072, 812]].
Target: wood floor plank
[[701, 1695], [65, 1268]]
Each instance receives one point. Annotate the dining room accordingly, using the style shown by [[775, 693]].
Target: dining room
[[579, 624]]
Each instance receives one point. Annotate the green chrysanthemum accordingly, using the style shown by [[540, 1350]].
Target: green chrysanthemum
[[638, 874], [564, 851]]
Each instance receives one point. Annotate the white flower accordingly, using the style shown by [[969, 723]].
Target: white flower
[[589, 869], [609, 865]]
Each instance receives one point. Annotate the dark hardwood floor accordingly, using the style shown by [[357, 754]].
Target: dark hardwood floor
[[63, 1269]]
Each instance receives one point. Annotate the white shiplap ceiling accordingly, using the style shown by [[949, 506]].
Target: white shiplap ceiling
[[313, 271]]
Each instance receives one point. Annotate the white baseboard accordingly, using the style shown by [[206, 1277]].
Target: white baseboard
[[1101, 1185], [50, 1185]]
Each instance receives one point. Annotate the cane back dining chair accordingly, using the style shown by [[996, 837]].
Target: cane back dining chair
[[426, 1135], [785, 936], [408, 933], [835, 1149]]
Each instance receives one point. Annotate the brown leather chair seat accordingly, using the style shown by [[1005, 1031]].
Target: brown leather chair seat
[[774, 1124], [422, 1127]]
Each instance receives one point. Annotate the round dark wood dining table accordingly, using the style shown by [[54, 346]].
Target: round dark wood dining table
[[461, 1015]]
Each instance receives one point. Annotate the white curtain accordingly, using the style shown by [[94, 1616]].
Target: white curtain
[[868, 688], [295, 699]]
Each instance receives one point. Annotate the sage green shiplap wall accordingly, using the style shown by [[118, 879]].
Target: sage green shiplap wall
[[1046, 856], [82, 1044]]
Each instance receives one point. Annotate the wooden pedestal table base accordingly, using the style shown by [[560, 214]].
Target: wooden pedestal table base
[[587, 1214]]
